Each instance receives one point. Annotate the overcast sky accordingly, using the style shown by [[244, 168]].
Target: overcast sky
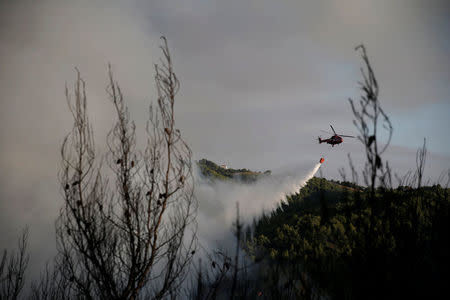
[[259, 80]]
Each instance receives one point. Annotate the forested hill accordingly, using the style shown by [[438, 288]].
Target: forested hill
[[353, 244], [213, 172], [338, 240]]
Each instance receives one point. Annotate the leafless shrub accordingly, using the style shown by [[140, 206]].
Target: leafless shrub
[[421, 156], [51, 285], [12, 269], [368, 114], [131, 238], [371, 121]]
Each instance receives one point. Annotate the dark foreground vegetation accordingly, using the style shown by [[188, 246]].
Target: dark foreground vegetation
[[135, 237]]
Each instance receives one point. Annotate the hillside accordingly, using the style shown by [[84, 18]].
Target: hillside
[[213, 172], [339, 240], [336, 233]]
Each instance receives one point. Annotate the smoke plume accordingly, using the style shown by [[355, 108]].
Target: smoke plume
[[217, 202]]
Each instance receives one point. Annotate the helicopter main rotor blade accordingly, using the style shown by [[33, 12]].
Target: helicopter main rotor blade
[[350, 136], [333, 129], [326, 131]]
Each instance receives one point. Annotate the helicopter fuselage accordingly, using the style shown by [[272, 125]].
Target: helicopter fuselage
[[334, 140]]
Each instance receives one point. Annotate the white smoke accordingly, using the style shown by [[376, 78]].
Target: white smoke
[[217, 202]]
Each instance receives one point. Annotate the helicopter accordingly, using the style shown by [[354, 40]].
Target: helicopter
[[335, 139]]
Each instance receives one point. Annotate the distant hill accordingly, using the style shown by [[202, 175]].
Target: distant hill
[[213, 172]]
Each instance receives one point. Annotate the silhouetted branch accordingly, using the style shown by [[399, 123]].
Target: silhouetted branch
[[12, 269], [367, 116]]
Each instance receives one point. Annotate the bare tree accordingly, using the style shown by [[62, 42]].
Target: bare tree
[[418, 199], [368, 116], [370, 119], [421, 156], [135, 237], [12, 269]]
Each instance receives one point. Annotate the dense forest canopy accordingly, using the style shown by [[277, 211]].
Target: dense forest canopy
[[324, 231]]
